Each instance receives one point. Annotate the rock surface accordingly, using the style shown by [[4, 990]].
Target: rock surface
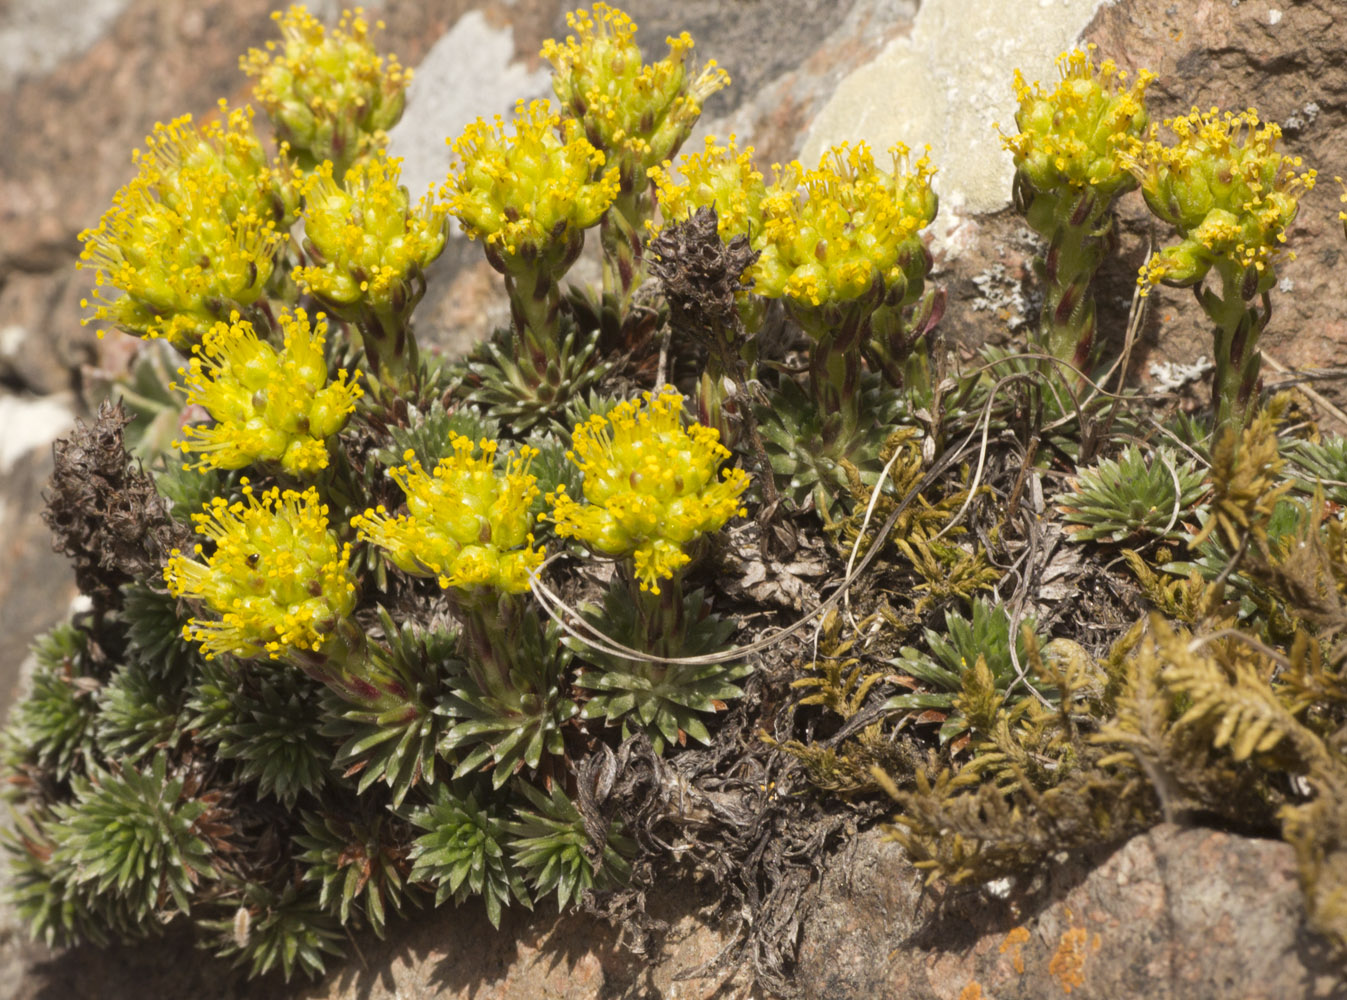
[[1285, 60], [1175, 914], [1178, 913]]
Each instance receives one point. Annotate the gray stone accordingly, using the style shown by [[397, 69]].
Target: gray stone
[[1174, 914], [36, 585]]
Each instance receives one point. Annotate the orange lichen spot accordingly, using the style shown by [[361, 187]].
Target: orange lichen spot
[[1068, 962], [1015, 940], [973, 991]]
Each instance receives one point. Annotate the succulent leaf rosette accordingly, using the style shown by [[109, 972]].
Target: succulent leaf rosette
[[1067, 177], [467, 524], [268, 405], [1134, 495], [194, 236], [278, 580], [650, 486], [330, 96], [1231, 194]]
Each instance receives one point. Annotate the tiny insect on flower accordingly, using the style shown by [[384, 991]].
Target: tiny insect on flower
[[277, 581]]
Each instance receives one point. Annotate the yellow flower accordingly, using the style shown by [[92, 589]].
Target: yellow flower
[[640, 113], [1069, 138], [832, 234], [531, 194], [194, 235], [466, 524], [1225, 187], [330, 96], [720, 176], [650, 486], [278, 579], [371, 245], [268, 405]]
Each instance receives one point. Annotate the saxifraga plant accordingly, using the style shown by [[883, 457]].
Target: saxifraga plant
[[1067, 179], [1231, 195], [1115, 500], [650, 495], [340, 698], [638, 115], [529, 196]]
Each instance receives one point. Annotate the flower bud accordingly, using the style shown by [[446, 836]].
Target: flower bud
[[530, 194], [196, 232], [843, 231], [639, 114], [467, 524], [1068, 138], [371, 244], [1224, 186]]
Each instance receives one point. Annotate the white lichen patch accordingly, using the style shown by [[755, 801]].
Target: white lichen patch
[[1000, 293], [1172, 376], [1297, 120], [11, 339]]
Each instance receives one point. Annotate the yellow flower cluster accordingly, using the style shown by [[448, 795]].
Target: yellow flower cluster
[[368, 238], [830, 234], [194, 234], [268, 405], [330, 96], [1069, 138], [278, 579], [1225, 187], [721, 176], [531, 193], [466, 523], [1342, 198], [639, 112], [650, 486]]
